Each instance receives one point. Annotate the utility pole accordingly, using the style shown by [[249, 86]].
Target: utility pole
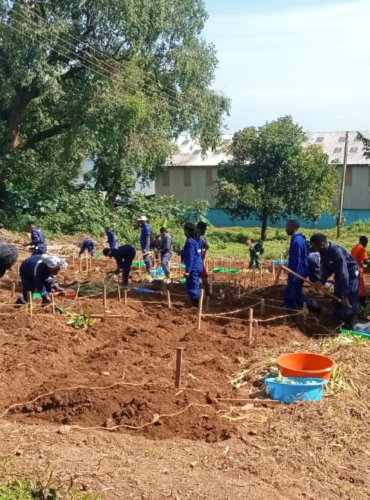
[[341, 199]]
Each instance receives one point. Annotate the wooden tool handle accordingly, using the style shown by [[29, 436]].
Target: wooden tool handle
[[324, 291]]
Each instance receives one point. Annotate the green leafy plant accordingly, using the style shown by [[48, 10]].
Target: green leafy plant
[[79, 321]]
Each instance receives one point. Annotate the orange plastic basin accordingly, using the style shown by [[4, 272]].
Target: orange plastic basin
[[305, 364]]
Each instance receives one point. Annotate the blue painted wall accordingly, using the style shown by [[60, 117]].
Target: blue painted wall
[[219, 218]]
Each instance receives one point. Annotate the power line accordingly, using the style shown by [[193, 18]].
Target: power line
[[123, 63], [80, 58]]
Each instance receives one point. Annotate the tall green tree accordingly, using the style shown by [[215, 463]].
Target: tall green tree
[[110, 80], [272, 176]]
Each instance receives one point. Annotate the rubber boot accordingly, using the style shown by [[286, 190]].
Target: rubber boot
[[195, 303]]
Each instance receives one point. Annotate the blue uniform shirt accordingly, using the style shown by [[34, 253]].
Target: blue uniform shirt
[[314, 267], [35, 271], [336, 260], [298, 259], [37, 237], [146, 231], [111, 239], [122, 253], [192, 256]]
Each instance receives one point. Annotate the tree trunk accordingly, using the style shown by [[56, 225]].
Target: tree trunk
[[23, 97], [264, 228]]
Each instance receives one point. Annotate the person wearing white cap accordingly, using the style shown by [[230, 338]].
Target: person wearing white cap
[[145, 235], [37, 275]]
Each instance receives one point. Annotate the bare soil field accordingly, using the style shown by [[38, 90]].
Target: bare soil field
[[99, 407]]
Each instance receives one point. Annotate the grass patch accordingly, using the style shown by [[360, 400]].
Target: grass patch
[[230, 242], [17, 483]]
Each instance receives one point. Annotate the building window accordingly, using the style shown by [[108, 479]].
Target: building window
[[337, 150], [187, 177], [319, 139], [353, 150], [349, 176], [209, 177], [166, 178], [342, 139]]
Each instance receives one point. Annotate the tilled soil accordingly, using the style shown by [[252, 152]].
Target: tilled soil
[[114, 382]]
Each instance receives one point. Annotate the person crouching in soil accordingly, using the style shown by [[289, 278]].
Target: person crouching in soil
[[336, 260], [124, 256], [38, 275], [89, 245], [191, 256]]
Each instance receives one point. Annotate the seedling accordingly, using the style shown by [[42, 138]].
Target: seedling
[[79, 321]]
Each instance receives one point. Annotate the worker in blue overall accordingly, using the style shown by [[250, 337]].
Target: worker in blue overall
[[336, 260], [38, 275], [145, 240], [38, 244], [123, 255], [111, 238], [191, 256], [298, 262], [89, 245]]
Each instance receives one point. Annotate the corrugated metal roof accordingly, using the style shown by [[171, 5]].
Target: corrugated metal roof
[[189, 152], [333, 144]]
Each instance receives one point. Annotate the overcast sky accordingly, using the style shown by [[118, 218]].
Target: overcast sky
[[306, 58]]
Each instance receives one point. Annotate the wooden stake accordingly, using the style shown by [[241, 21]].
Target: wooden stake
[[273, 271], [178, 367], [244, 401], [12, 291], [262, 308], [119, 292], [256, 333], [207, 303], [250, 326], [53, 303], [278, 275], [169, 300], [304, 311], [200, 309], [80, 262], [105, 297], [77, 292], [125, 297], [29, 298]]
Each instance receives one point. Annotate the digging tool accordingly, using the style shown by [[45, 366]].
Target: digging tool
[[306, 280]]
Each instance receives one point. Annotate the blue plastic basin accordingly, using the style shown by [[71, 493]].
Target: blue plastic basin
[[302, 391], [278, 262], [156, 272], [143, 290]]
